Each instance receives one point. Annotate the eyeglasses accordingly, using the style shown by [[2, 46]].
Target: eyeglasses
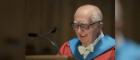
[[76, 26]]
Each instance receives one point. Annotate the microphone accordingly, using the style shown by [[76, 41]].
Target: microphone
[[45, 36], [51, 31]]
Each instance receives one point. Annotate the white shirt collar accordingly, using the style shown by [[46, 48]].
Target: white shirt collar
[[83, 50], [98, 38]]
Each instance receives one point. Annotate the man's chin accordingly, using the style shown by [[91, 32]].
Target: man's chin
[[83, 41]]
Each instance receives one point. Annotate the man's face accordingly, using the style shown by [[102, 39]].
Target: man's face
[[86, 29]]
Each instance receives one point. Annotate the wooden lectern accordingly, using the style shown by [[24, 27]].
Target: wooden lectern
[[48, 57]]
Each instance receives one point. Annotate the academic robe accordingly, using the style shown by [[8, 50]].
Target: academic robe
[[104, 49]]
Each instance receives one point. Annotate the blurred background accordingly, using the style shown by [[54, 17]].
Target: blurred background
[[131, 19], [127, 30], [28, 27]]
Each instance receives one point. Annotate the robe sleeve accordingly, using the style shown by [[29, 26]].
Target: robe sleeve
[[113, 54], [108, 55], [65, 50]]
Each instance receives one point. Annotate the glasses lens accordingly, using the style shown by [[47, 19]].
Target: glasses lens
[[84, 26], [75, 26]]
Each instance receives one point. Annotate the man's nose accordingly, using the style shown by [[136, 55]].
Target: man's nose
[[79, 30]]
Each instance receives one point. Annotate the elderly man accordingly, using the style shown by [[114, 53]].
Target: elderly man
[[90, 43]]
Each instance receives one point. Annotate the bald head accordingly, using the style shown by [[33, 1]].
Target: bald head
[[86, 23], [89, 12]]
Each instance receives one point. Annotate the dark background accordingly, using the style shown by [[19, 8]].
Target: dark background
[[131, 19]]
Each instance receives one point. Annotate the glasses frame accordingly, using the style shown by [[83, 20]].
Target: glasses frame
[[83, 27]]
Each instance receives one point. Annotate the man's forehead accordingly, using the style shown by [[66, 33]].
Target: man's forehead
[[83, 21]]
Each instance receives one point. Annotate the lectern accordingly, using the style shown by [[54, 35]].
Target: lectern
[[48, 57]]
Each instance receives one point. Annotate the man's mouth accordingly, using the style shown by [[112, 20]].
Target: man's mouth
[[82, 35]]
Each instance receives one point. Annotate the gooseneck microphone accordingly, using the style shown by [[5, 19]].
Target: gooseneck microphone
[[45, 36]]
